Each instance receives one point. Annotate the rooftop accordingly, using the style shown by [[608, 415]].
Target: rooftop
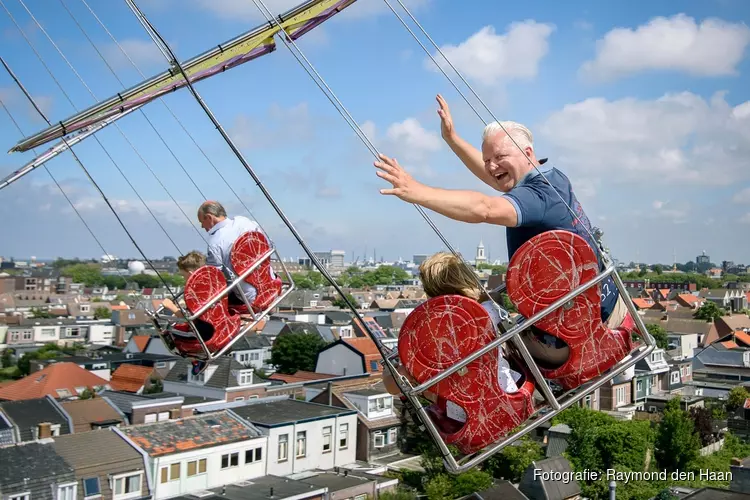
[[94, 449], [262, 488], [287, 411], [190, 433], [31, 462], [59, 380], [27, 414]]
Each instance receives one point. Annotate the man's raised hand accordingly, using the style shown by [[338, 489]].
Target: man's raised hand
[[446, 120], [404, 186]]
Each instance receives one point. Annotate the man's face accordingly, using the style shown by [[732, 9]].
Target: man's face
[[207, 221], [504, 162]]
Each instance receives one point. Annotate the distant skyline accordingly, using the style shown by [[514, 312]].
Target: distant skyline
[[654, 137]]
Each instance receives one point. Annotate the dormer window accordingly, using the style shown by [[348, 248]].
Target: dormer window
[[199, 379], [380, 404], [246, 377]]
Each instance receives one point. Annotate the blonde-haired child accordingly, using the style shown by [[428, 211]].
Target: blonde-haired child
[[445, 274]]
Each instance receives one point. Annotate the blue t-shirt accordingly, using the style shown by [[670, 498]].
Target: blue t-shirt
[[540, 209]]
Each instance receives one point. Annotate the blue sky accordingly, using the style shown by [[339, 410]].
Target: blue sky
[[645, 105]]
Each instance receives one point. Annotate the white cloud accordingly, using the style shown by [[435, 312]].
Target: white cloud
[[742, 197], [711, 48], [279, 126], [246, 11], [489, 58], [17, 102], [407, 141], [144, 54], [676, 139]]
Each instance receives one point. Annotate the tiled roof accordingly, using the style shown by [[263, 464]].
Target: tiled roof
[[141, 341], [369, 350], [190, 433], [50, 381], [86, 412], [27, 414], [251, 342], [130, 378], [95, 449], [287, 411], [30, 463]]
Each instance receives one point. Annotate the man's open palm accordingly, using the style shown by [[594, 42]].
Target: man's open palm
[[446, 120]]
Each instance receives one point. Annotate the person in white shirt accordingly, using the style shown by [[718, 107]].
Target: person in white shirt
[[223, 232]]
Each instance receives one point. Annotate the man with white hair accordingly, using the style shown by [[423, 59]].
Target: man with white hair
[[222, 233], [530, 205]]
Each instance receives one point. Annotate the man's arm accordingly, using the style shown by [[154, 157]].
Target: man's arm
[[468, 154], [467, 206]]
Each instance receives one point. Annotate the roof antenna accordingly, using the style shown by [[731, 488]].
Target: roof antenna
[[223, 490]]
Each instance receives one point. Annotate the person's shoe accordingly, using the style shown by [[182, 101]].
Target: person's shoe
[[198, 367]]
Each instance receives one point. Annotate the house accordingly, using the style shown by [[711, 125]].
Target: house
[[378, 424], [92, 414], [147, 344], [199, 452], [225, 378], [105, 465], [138, 409], [99, 367], [32, 419], [34, 471], [349, 356], [253, 351], [540, 482], [651, 376], [132, 378], [348, 484], [718, 368], [266, 487], [60, 380], [302, 436]]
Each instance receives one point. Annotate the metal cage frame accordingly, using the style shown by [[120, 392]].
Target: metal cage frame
[[552, 405], [167, 332]]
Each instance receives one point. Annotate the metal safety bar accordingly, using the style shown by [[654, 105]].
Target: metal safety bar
[[556, 404], [287, 288]]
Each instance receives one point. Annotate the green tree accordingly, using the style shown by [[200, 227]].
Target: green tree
[[88, 274], [666, 494], [736, 399], [6, 360], [703, 424], [659, 334], [341, 304], [512, 461], [292, 352], [37, 313], [709, 312], [658, 269], [102, 313], [677, 442]]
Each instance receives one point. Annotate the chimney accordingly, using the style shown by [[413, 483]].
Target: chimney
[[45, 430], [120, 335]]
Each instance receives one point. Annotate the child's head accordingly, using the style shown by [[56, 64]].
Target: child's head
[[190, 262], [445, 274]]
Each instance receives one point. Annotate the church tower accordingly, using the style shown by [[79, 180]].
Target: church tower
[[481, 258]]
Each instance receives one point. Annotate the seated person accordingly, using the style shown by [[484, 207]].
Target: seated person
[[187, 265], [444, 274]]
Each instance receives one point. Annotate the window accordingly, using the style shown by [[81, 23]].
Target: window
[[129, 486], [301, 444], [64, 393], [254, 356], [326, 439], [374, 366], [246, 377], [620, 395], [380, 404], [343, 436], [195, 467], [379, 439], [230, 460], [66, 492], [91, 487], [241, 398], [392, 435], [675, 378], [163, 415], [200, 378], [85, 308], [22, 496], [150, 417], [283, 447], [161, 364], [254, 455], [587, 401], [639, 386], [48, 332], [170, 473]]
